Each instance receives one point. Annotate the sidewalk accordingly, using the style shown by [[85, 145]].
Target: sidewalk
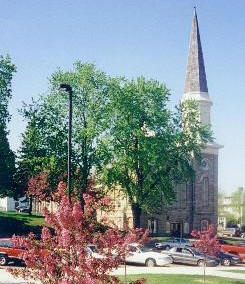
[[221, 271]]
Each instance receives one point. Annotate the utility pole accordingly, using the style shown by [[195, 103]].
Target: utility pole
[[68, 89]]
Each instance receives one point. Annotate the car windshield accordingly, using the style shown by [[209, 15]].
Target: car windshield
[[197, 252], [145, 249], [6, 244], [93, 248]]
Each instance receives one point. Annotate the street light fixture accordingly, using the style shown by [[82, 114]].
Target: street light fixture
[[68, 89]]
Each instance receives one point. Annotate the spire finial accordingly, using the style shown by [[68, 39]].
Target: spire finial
[[195, 10]]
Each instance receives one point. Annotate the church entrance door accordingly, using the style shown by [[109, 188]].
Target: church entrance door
[[175, 229]]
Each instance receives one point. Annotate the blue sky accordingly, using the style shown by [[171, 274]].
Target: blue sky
[[132, 38]]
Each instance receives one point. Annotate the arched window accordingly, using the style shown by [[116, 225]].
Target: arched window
[[205, 190], [184, 195], [204, 225]]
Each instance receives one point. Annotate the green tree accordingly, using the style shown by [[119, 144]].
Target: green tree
[[45, 140], [151, 148], [238, 204], [7, 157]]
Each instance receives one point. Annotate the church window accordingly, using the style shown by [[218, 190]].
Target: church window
[[205, 190], [204, 225], [184, 195]]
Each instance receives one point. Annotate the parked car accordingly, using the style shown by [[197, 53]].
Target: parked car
[[230, 232], [9, 253], [143, 255], [192, 256], [238, 250], [23, 209], [92, 250], [174, 242], [228, 259]]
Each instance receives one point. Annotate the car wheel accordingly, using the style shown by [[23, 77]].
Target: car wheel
[[150, 262], [167, 248], [3, 260], [200, 262], [226, 262]]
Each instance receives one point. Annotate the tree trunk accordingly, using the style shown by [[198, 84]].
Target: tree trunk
[[136, 210]]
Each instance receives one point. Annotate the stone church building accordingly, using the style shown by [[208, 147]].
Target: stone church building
[[196, 203]]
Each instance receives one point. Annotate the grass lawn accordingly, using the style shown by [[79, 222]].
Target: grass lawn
[[19, 223], [235, 271], [182, 279]]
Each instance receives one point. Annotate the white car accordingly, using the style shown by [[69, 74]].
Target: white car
[[92, 250], [143, 255]]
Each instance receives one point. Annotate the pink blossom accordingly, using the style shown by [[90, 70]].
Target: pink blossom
[[62, 257]]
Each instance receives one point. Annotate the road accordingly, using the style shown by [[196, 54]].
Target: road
[[6, 278]]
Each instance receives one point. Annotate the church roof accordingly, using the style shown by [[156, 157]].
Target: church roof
[[195, 80]]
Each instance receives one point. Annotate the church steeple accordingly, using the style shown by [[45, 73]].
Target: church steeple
[[195, 80], [196, 87]]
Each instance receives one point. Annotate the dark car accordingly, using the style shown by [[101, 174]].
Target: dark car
[[228, 259], [174, 242], [23, 209], [185, 255]]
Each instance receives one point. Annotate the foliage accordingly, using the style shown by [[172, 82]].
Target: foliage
[[7, 165], [150, 148], [236, 203], [7, 157], [7, 69], [45, 144], [207, 241], [38, 187], [61, 255]]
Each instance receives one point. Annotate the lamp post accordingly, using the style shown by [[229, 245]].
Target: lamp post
[[68, 89]]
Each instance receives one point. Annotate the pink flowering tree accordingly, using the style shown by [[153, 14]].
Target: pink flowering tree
[[38, 187], [61, 256], [207, 242]]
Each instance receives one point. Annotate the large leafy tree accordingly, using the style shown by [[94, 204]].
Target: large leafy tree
[[45, 140], [151, 148], [238, 204], [7, 157]]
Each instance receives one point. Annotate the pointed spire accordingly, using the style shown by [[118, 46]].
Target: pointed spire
[[195, 80]]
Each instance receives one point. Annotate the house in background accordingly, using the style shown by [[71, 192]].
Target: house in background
[[7, 204], [10, 204], [231, 209]]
